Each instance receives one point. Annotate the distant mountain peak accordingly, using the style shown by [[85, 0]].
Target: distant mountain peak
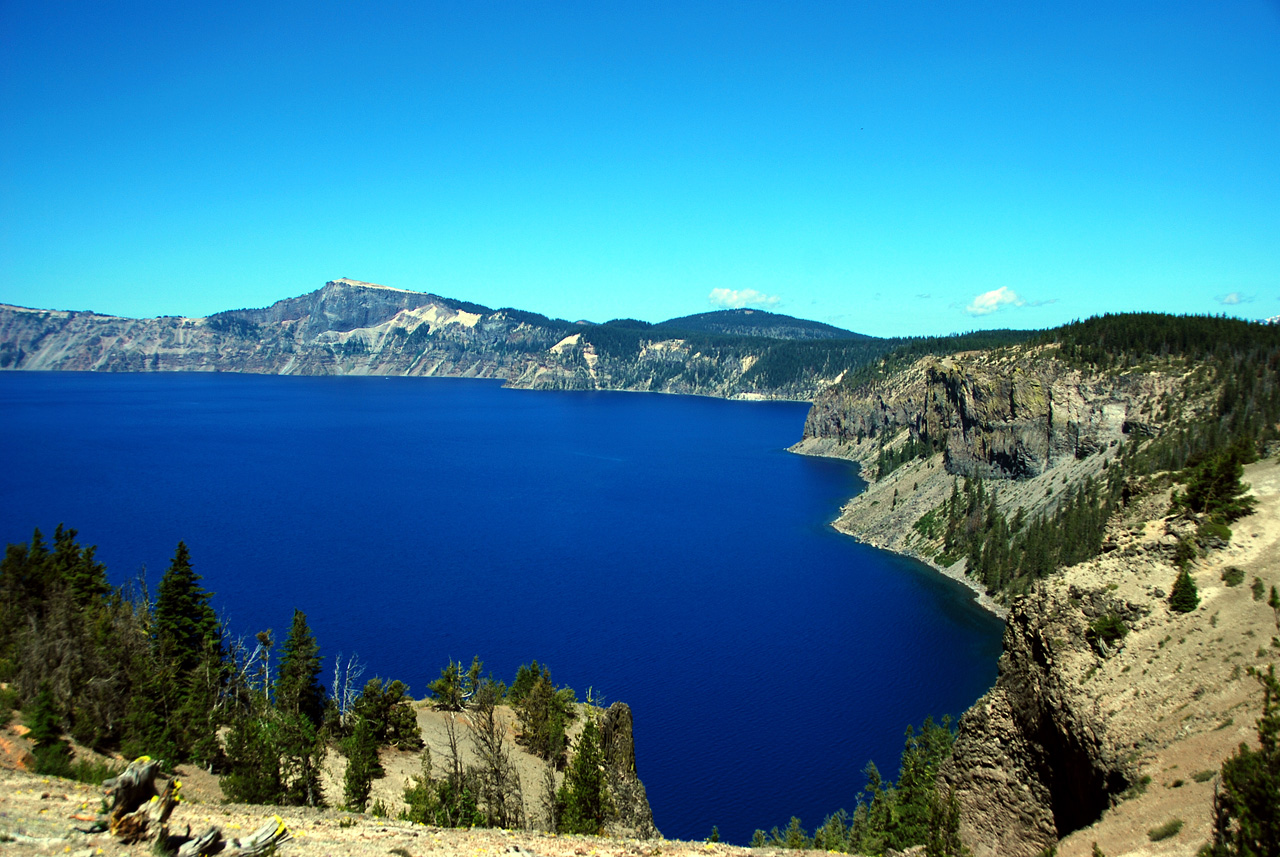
[[758, 322]]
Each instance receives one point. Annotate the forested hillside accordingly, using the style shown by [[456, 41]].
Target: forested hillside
[[1090, 481], [130, 674], [1031, 445]]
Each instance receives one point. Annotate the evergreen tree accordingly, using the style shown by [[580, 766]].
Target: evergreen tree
[[1247, 804], [75, 568], [183, 621], [388, 711], [1185, 597], [298, 688], [584, 796], [544, 714], [363, 766], [943, 834], [253, 758], [53, 755], [1214, 487], [301, 752]]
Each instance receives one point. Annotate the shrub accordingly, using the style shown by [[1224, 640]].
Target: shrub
[[1164, 831], [1246, 806], [1211, 529], [1233, 575], [9, 700], [1108, 629]]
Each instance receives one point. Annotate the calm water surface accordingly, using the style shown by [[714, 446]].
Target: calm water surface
[[663, 550]]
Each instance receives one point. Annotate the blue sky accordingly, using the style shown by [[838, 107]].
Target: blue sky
[[893, 168]]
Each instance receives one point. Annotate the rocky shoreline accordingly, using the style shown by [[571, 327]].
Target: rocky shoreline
[[847, 524]]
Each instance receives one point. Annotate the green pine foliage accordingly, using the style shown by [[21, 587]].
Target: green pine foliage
[[363, 766], [298, 688], [184, 622], [254, 773], [891, 816], [1213, 485], [53, 754], [583, 799], [451, 691], [387, 709], [1246, 806], [1009, 555], [544, 712], [1184, 596], [62, 625]]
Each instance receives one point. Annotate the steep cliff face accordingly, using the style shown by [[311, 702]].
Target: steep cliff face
[[345, 328], [632, 815], [1034, 758], [996, 416]]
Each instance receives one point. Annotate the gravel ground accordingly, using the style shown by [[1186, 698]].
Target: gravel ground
[[43, 815]]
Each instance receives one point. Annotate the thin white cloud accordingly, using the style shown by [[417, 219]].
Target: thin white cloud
[[1233, 298], [996, 299], [739, 298]]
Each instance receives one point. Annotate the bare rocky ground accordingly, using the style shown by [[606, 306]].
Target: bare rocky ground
[[1178, 692], [45, 815]]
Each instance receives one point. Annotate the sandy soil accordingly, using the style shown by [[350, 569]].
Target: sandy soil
[[1178, 692]]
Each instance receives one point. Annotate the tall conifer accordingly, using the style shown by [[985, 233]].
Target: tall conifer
[[298, 689], [183, 621]]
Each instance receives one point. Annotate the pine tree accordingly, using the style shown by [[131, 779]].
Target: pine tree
[[363, 766], [183, 621], [53, 755], [75, 568], [584, 796], [1246, 806], [298, 689], [1185, 597], [253, 756]]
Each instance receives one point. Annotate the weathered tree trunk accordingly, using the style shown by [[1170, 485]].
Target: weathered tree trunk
[[139, 811]]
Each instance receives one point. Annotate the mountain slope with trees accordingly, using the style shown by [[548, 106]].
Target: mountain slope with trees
[[130, 676], [1094, 484], [350, 327]]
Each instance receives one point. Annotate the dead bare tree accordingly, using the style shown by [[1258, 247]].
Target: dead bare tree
[[346, 684], [501, 798]]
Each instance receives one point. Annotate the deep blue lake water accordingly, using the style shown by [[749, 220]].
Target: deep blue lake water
[[663, 550]]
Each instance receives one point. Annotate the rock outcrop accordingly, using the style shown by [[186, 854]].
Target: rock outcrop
[[632, 815], [993, 416]]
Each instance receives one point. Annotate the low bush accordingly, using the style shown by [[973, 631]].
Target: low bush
[[1164, 831]]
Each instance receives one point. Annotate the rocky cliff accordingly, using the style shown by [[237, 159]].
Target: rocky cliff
[[1032, 426], [350, 327], [1080, 740], [1008, 415], [345, 328]]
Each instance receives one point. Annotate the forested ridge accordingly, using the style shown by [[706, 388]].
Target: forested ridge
[[1191, 445], [132, 674], [1231, 365]]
